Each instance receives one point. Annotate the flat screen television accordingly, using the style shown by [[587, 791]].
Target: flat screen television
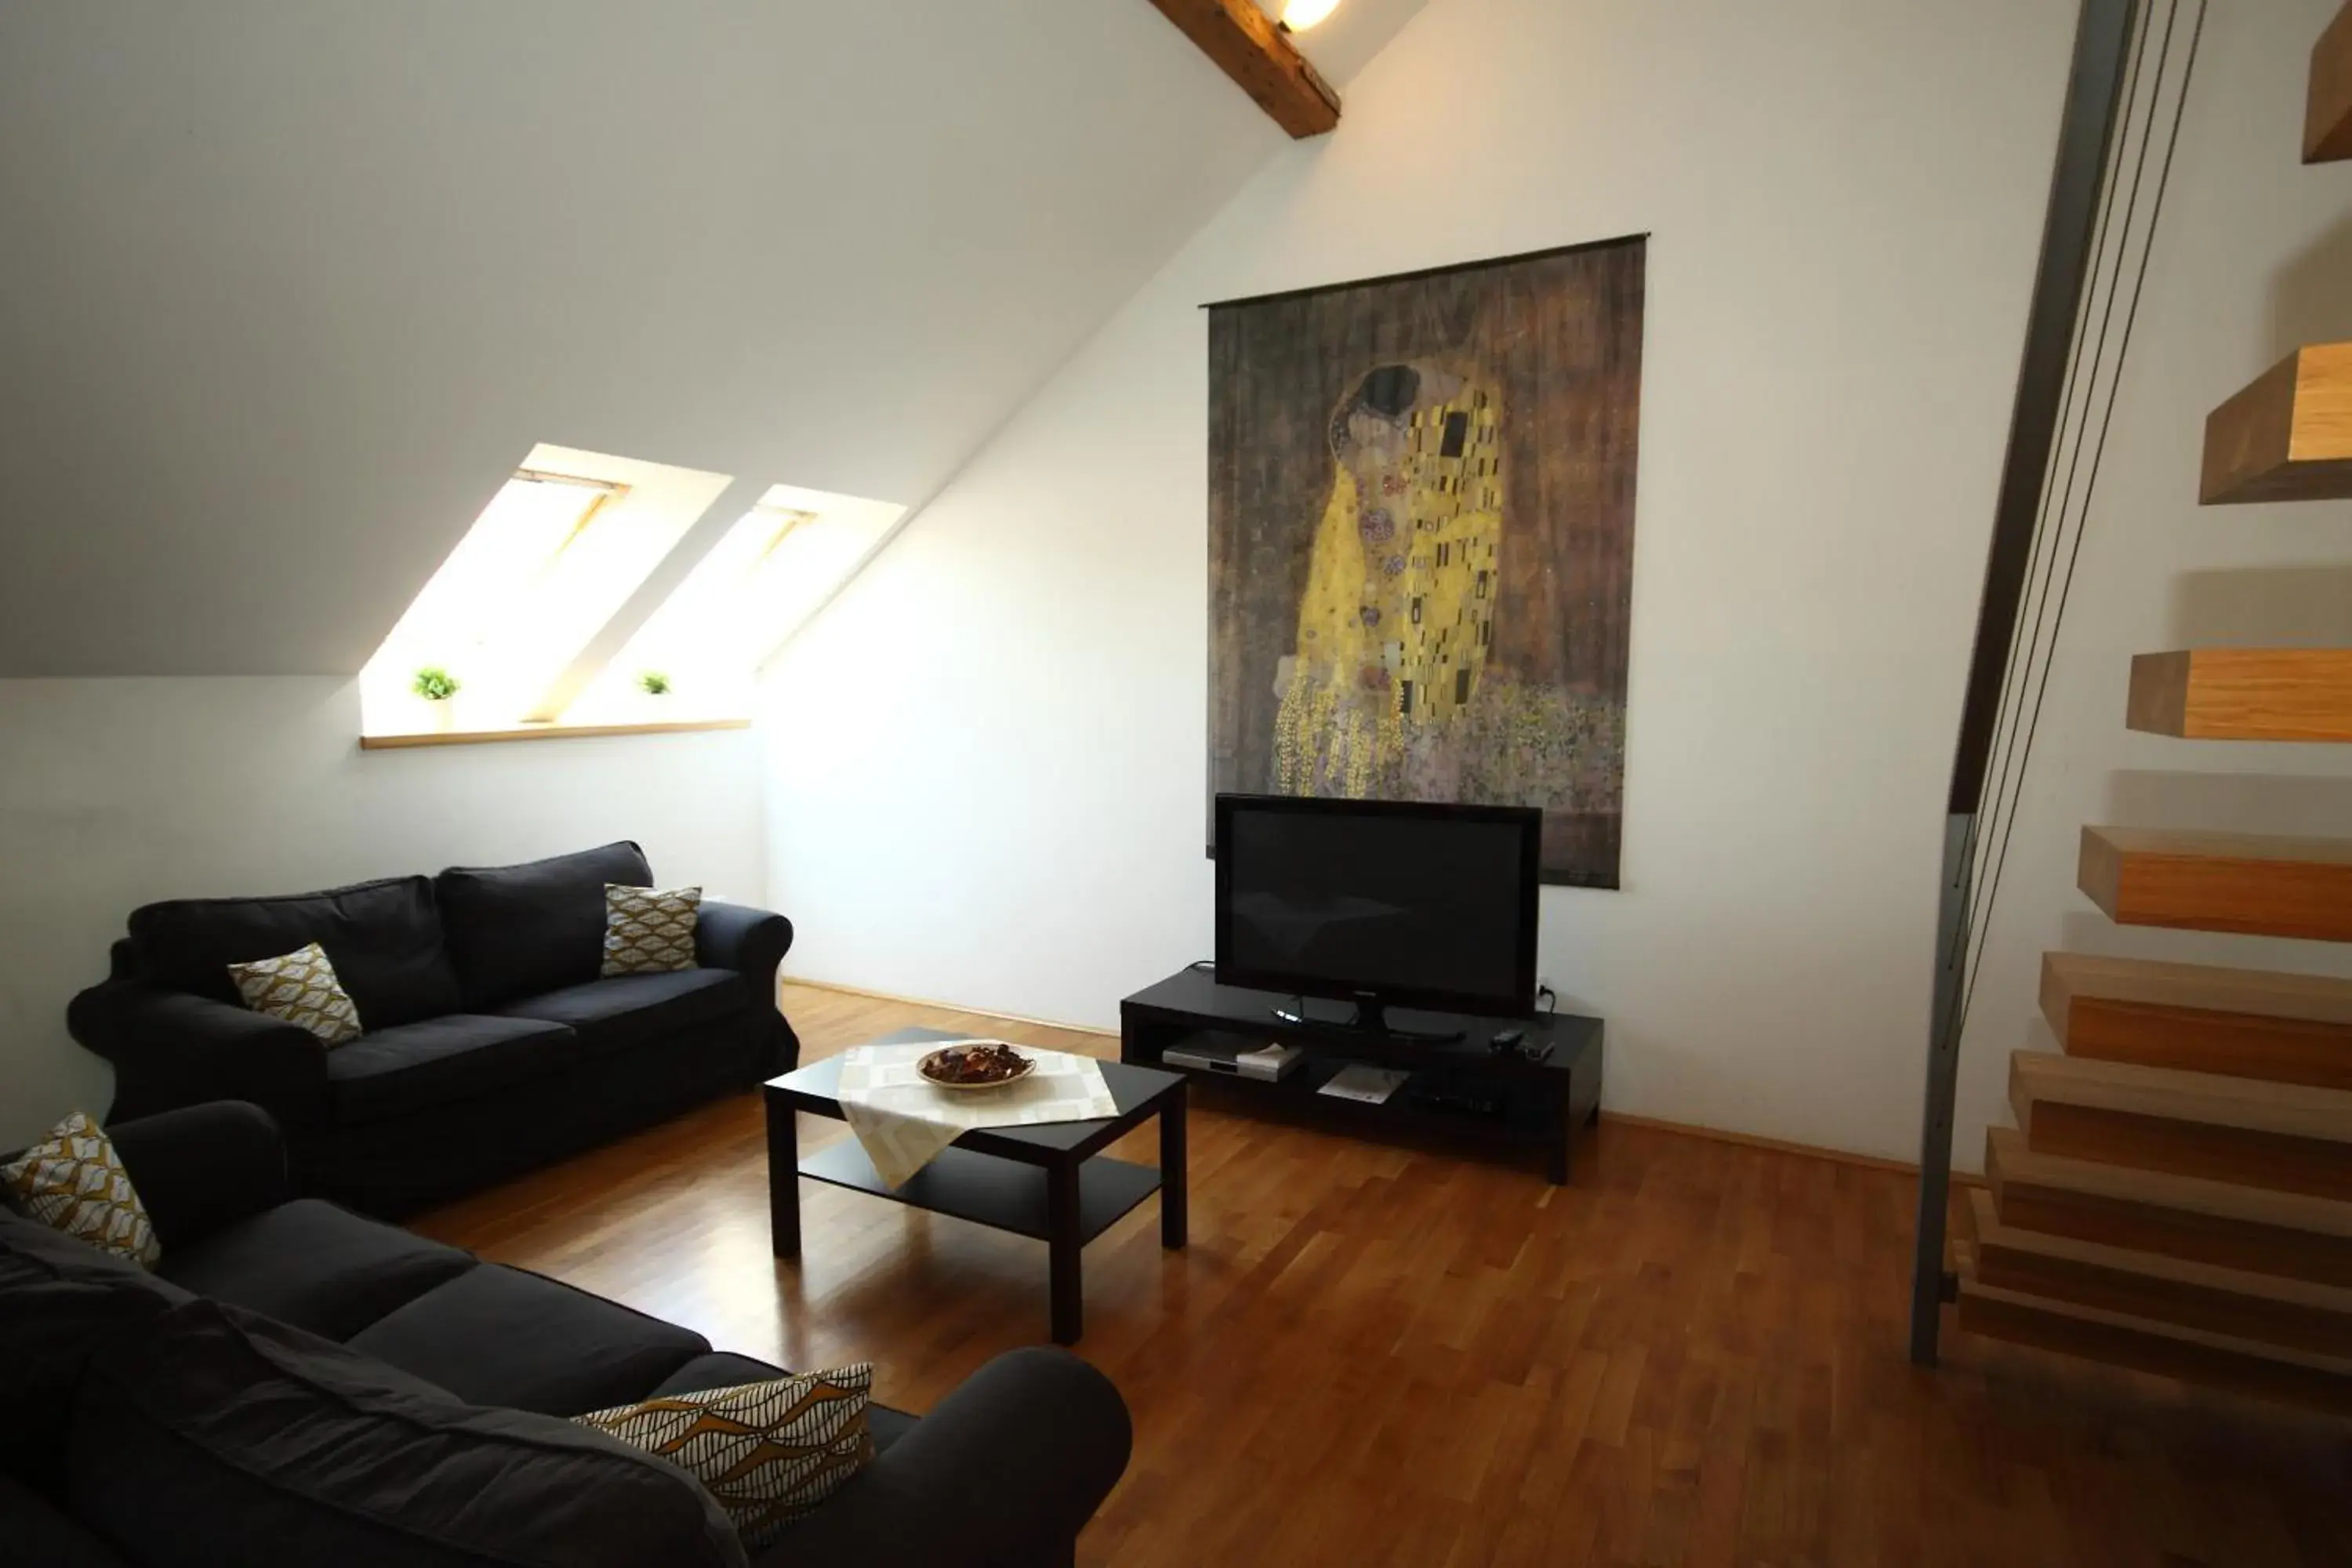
[[1382, 902]]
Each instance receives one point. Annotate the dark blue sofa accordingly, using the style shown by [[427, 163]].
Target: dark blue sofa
[[492, 1046], [126, 1441]]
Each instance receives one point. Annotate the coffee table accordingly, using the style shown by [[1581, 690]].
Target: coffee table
[[1051, 1182]]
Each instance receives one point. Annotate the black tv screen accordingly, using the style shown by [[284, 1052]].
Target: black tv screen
[[1423, 906]]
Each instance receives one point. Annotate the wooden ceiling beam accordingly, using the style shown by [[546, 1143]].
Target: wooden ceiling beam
[[1248, 47]]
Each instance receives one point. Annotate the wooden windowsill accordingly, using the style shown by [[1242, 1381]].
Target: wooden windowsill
[[542, 733]]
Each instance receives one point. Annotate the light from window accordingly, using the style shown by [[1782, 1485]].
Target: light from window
[[556, 554], [743, 600]]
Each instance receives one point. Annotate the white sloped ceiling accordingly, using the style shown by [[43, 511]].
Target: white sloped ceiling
[[288, 286]]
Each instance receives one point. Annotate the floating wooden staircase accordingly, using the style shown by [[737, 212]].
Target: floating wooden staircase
[[2177, 1193]]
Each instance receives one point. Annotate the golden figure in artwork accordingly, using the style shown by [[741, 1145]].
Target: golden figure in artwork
[[1397, 618]]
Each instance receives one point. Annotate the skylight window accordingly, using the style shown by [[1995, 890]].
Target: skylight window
[[758, 586], [556, 554]]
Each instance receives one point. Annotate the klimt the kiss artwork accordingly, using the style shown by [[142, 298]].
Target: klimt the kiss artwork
[[1421, 541]]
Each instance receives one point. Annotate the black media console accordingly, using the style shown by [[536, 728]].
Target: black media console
[[1459, 1089]]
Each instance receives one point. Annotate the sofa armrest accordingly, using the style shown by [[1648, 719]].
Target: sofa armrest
[[202, 1167], [170, 1049], [751, 942], [1004, 1474]]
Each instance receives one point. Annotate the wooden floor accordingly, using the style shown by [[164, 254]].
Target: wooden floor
[[1691, 1354]]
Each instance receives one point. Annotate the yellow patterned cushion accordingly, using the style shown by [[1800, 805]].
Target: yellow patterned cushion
[[74, 1181], [768, 1451], [649, 931], [301, 988]]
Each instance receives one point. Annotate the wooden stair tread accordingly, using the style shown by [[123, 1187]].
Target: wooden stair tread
[[2202, 987], [2196, 843], [2243, 694], [2045, 1325], [2276, 1337], [2011, 1161], [2246, 1022], [2327, 113], [1985, 1230], [2292, 1110], [2253, 883], [2288, 436], [1970, 1285]]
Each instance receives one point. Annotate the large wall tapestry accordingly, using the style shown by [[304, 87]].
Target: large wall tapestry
[[1421, 541]]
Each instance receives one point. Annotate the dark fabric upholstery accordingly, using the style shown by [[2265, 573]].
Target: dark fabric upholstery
[[401, 1166], [724, 1369], [395, 1072], [627, 1010], [412, 1114], [217, 1436], [173, 1048], [60, 1299], [753, 943], [1005, 1470], [202, 1167], [383, 938], [35, 1531], [315, 1265], [1003, 1474], [75, 1261], [500, 1336], [523, 931]]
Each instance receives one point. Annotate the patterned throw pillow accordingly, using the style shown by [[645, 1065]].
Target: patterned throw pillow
[[74, 1182], [769, 1452], [301, 988], [649, 931]]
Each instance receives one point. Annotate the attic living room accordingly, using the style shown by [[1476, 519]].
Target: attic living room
[[1163, 781]]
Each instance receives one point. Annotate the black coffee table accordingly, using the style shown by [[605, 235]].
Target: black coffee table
[[1050, 1182]]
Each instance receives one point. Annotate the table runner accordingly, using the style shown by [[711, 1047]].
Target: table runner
[[902, 1121]]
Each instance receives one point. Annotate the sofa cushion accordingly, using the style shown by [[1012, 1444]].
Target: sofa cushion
[[74, 1182], [627, 1010], [519, 931], [316, 1266], [649, 931], [499, 1336], [218, 1436], [301, 988], [384, 938], [724, 1369], [769, 1451], [393, 1072]]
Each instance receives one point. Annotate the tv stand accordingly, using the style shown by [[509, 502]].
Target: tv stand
[[1459, 1090], [1371, 1017]]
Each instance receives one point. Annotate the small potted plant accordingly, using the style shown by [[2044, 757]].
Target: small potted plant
[[436, 686], [654, 683]]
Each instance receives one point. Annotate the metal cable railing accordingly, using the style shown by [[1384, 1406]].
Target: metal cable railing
[[2133, 63]]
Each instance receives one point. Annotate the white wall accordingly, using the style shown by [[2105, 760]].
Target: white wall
[[987, 765], [114, 792], [2253, 260]]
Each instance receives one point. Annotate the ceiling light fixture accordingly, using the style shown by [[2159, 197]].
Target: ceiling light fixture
[[1300, 14]]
